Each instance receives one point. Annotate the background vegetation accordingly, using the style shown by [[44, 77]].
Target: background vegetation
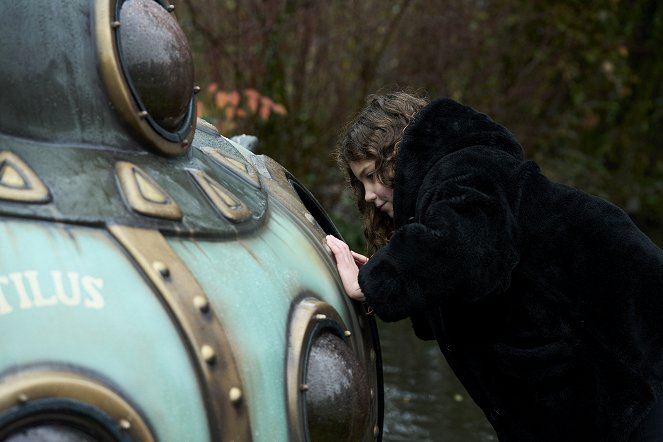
[[578, 82]]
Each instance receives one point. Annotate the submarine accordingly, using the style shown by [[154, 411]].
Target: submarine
[[158, 281]]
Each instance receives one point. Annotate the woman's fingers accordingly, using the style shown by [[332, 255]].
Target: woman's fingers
[[339, 248], [347, 268], [359, 259]]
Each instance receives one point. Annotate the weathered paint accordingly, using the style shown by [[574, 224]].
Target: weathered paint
[[251, 283], [129, 340]]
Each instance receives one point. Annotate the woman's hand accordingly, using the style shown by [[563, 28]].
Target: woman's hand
[[347, 263], [360, 259]]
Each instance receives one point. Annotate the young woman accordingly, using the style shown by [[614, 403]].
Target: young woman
[[547, 302]]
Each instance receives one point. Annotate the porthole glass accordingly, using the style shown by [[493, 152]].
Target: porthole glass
[[158, 60], [330, 397], [337, 399], [50, 432], [146, 65]]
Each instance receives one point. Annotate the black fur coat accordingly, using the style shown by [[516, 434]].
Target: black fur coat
[[546, 301]]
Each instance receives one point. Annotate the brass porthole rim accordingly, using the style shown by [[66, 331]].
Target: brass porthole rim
[[304, 321], [119, 90], [51, 384]]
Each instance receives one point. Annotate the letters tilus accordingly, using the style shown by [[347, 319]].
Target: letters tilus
[[32, 289]]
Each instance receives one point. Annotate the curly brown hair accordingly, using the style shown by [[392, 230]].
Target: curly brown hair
[[375, 134]]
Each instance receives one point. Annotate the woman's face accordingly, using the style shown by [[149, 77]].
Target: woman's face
[[375, 192]]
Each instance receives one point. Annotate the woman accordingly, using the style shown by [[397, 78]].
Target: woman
[[546, 301]]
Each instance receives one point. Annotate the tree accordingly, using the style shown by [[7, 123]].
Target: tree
[[579, 83]]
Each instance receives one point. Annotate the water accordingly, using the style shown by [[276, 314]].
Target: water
[[424, 401]]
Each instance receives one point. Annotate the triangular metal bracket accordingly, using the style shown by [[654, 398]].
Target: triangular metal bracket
[[244, 170], [225, 203], [143, 195], [18, 182]]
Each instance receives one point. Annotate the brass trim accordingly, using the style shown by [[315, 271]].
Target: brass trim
[[143, 195], [303, 321], [205, 125], [45, 384], [221, 199], [244, 170], [18, 182], [201, 330], [105, 27]]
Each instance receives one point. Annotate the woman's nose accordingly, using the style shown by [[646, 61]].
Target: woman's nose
[[369, 195]]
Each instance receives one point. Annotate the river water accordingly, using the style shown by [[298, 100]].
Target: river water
[[424, 402]]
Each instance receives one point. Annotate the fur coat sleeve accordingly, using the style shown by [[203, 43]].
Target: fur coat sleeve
[[459, 246]]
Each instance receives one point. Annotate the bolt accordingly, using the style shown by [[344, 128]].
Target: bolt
[[161, 268], [201, 303], [235, 395], [208, 353]]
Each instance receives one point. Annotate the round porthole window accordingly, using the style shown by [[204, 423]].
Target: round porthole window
[[147, 67], [59, 420], [329, 394], [50, 405]]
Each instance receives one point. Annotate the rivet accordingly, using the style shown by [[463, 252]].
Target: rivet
[[196, 89], [235, 395], [143, 114], [372, 393], [376, 431], [115, 24], [320, 317], [22, 398], [303, 387], [161, 268], [201, 303], [125, 424], [208, 353], [347, 333], [170, 8], [372, 355]]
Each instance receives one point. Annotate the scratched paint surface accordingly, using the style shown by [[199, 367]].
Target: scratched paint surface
[[251, 283], [70, 296]]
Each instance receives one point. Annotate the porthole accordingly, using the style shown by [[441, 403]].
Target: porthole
[[53, 406], [147, 67], [329, 395]]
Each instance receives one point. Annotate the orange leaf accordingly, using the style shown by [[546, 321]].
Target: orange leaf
[[221, 99], [233, 98], [252, 98], [279, 109], [200, 108], [265, 108]]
